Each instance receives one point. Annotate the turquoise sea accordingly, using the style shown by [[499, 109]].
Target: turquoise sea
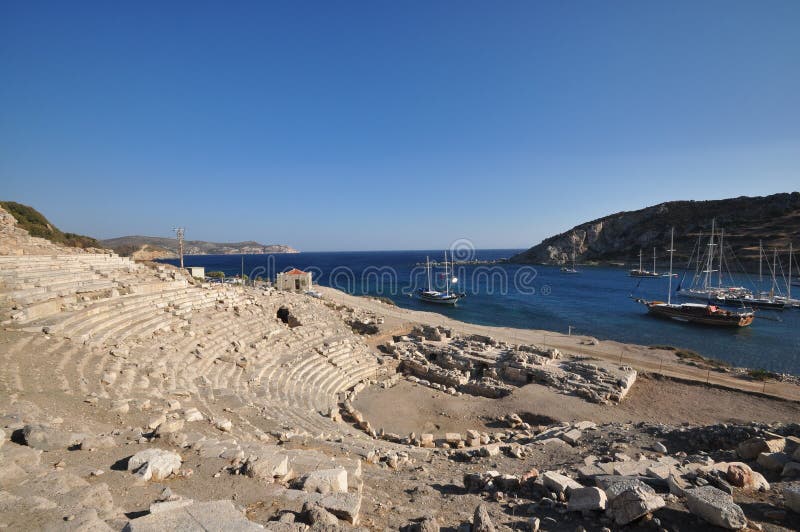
[[596, 302]]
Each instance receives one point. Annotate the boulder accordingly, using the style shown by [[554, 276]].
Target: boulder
[[715, 507], [343, 505], [314, 514], [752, 447], [559, 483], [266, 465], [634, 503], [571, 436], [170, 426], [154, 464], [90, 443], [773, 461], [47, 438], [583, 499], [326, 481], [739, 475], [211, 515], [481, 522]]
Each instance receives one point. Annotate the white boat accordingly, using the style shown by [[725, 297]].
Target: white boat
[[706, 290], [434, 296]]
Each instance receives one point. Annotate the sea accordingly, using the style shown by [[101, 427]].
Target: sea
[[596, 302]]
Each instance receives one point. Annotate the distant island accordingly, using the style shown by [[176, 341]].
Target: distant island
[[154, 247], [616, 239]]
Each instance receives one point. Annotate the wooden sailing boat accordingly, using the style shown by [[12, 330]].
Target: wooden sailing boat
[[434, 296], [704, 314]]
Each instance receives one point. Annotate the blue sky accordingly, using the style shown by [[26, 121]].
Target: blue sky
[[391, 125]]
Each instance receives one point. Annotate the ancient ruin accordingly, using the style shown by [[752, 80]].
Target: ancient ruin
[[135, 397]]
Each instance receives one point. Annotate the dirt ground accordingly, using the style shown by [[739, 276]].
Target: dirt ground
[[410, 407]]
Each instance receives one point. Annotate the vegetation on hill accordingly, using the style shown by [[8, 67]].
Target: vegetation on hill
[[37, 225], [774, 220]]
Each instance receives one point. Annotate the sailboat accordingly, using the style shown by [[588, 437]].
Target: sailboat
[[572, 270], [764, 300], [707, 291], [694, 312], [647, 274], [434, 296]]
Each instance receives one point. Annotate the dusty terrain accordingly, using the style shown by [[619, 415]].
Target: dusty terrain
[[409, 407]]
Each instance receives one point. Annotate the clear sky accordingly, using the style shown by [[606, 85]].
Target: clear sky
[[391, 125]]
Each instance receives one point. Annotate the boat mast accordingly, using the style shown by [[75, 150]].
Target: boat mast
[[446, 275], [428, 270], [789, 284], [671, 250], [721, 237], [654, 260], [710, 260], [774, 269]]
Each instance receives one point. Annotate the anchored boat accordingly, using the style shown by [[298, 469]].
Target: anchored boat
[[705, 314], [434, 296]]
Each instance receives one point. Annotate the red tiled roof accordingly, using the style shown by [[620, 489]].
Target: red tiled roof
[[295, 271]]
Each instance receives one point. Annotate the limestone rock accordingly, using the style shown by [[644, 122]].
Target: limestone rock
[[559, 483], [211, 515], [154, 464], [266, 465], [481, 522], [47, 438], [583, 499], [170, 426], [98, 442], [326, 481], [716, 507], [343, 505], [634, 503], [751, 448], [315, 514], [773, 461]]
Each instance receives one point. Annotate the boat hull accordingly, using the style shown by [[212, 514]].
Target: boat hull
[[700, 314], [439, 298]]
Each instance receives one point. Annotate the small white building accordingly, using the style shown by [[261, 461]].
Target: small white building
[[198, 272], [295, 280]]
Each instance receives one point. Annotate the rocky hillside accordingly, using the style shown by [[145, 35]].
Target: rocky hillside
[[160, 247], [37, 225], [617, 238]]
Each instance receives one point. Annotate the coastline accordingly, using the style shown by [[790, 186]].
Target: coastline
[[647, 359]]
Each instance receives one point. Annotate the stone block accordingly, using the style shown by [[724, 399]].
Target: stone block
[[715, 507]]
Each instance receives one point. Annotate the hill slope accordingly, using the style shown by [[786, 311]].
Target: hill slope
[[127, 245], [37, 225], [618, 238]]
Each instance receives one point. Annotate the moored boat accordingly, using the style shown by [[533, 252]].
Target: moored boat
[[430, 295], [704, 314]]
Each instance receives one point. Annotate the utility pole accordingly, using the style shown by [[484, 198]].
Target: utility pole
[[179, 231]]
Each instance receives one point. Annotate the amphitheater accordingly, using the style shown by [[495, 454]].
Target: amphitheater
[[134, 397]]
